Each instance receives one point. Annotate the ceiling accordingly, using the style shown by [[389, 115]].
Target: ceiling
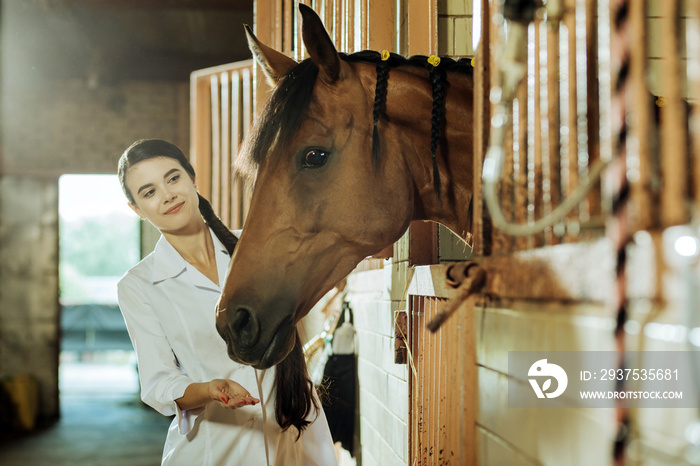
[[114, 40]]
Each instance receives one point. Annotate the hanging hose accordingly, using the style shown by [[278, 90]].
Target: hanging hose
[[513, 67]]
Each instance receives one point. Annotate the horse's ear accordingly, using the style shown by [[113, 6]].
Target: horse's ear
[[319, 45], [273, 63]]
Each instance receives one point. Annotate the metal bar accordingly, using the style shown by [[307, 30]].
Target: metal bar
[[519, 160], [532, 134], [442, 391], [421, 384], [581, 73], [350, 26], [553, 119], [573, 105], [247, 102], [564, 113], [592, 103], [364, 40], [338, 24], [215, 196], [545, 170], [288, 34], [277, 26], [411, 379], [482, 110], [225, 168], [200, 133], [236, 136]]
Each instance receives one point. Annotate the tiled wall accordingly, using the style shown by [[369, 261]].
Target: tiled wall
[[383, 393], [523, 436], [455, 28]]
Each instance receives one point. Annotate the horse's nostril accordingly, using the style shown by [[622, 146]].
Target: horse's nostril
[[245, 328]]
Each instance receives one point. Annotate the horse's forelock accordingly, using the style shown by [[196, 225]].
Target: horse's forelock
[[280, 118]]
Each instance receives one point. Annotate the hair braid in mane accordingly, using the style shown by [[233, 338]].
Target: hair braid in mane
[[294, 389], [437, 80], [379, 99]]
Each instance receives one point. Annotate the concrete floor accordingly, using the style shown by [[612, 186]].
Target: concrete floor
[[103, 423]]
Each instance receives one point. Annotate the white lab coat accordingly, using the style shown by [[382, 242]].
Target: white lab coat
[[168, 307]]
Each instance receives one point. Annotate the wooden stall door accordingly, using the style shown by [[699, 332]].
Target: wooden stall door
[[442, 396], [221, 105]]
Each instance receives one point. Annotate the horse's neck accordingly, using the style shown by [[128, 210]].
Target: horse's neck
[[409, 109]]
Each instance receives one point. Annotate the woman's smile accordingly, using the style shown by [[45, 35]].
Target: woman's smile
[[175, 209]]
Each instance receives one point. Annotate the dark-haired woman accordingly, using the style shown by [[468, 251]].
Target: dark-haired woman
[[225, 413]]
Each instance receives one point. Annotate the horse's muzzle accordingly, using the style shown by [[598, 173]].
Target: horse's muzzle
[[246, 346]]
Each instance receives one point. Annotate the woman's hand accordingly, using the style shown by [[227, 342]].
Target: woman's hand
[[230, 394], [227, 392]]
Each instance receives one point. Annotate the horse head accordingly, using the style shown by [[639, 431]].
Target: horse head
[[322, 198]]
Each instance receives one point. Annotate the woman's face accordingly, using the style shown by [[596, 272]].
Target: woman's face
[[163, 193]]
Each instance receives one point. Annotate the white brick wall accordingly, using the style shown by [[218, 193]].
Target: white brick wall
[[455, 28], [383, 394]]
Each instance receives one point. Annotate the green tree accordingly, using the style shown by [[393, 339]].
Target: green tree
[[99, 246]]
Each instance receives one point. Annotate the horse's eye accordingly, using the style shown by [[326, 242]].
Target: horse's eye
[[315, 158]]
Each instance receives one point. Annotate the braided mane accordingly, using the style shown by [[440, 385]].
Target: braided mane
[[287, 107]]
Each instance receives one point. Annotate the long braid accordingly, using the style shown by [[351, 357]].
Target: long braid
[[437, 80], [379, 100], [227, 238], [294, 394]]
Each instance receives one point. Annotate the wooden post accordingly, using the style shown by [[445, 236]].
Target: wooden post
[[674, 157], [482, 119], [200, 133]]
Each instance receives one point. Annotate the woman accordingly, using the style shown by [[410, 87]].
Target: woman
[[226, 413]]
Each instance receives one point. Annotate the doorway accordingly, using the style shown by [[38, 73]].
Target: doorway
[[99, 240]]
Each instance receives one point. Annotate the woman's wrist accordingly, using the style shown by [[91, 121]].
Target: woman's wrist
[[197, 395]]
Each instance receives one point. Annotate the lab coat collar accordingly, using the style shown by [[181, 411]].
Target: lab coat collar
[[169, 264]]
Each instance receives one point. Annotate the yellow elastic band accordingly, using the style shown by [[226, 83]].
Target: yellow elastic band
[[473, 62], [434, 60], [661, 101], [385, 55]]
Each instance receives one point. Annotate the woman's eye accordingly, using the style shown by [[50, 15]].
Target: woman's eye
[[148, 193], [315, 158], [175, 178]]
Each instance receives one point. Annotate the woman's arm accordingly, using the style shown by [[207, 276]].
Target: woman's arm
[[227, 392]]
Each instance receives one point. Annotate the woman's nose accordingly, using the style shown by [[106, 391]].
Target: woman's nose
[[168, 196]]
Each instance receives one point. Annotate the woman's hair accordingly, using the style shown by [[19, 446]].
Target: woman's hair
[[294, 399]]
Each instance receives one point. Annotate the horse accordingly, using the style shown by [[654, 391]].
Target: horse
[[348, 151]]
